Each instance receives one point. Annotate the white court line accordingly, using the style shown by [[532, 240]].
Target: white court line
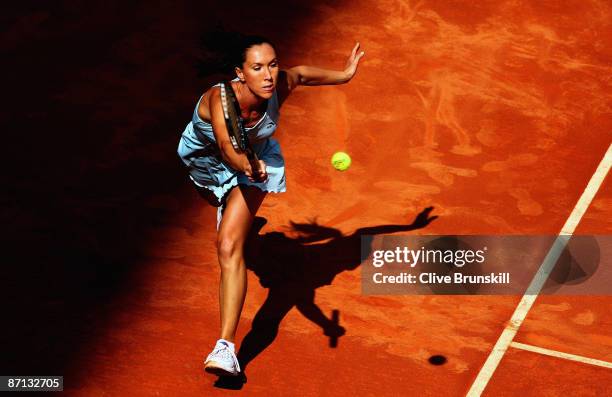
[[507, 335], [555, 353]]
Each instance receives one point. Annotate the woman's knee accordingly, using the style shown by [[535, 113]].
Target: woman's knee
[[228, 248]]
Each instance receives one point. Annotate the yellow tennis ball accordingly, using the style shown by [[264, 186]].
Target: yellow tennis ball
[[341, 161]]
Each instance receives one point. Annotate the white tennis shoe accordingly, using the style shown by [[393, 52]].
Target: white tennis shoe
[[222, 361]]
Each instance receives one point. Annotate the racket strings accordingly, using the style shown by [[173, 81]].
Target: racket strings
[[232, 119]]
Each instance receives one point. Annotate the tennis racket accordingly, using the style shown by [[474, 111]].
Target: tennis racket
[[237, 134]]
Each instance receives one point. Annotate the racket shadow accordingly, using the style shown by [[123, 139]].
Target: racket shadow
[[293, 268]]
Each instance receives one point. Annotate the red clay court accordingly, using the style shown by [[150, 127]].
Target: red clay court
[[496, 113]]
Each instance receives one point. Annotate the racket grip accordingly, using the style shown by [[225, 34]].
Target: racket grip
[[254, 161]]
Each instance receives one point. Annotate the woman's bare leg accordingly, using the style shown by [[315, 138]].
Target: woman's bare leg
[[242, 205]]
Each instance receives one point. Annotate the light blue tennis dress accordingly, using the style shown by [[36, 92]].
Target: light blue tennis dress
[[200, 153]]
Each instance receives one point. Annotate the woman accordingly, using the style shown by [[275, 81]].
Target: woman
[[224, 176]]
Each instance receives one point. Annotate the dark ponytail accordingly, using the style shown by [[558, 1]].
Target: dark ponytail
[[222, 51], [242, 46]]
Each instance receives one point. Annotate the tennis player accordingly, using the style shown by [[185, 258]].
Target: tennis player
[[224, 177]]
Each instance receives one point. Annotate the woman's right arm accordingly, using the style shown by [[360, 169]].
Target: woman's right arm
[[238, 161]]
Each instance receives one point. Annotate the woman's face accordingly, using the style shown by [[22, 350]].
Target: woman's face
[[260, 70]]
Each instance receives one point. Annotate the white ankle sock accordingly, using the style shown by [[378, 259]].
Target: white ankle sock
[[230, 344]]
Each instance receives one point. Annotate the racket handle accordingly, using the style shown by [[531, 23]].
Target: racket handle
[[254, 161]]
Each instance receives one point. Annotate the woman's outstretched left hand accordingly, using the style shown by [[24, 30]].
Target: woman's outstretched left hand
[[353, 61]]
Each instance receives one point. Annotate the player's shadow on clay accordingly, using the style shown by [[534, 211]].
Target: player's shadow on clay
[[293, 268]]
